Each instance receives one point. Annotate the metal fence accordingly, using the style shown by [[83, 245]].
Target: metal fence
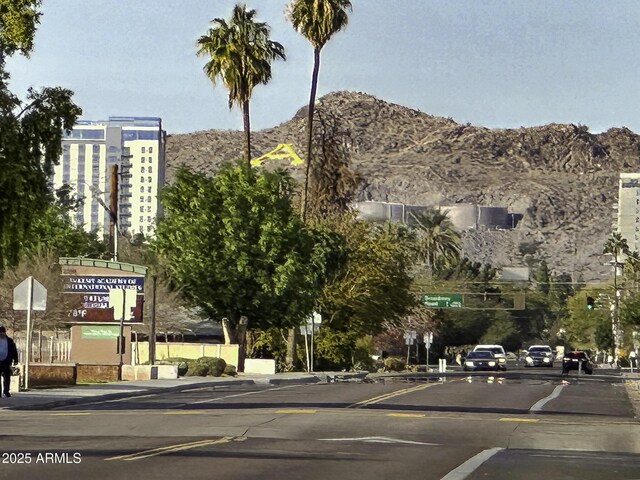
[[44, 349]]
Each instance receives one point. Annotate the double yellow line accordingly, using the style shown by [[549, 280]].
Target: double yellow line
[[387, 396], [170, 449]]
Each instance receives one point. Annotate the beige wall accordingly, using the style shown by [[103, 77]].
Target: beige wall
[[229, 353], [98, 351]]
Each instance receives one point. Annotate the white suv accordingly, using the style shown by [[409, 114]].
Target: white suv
[[498, 352]]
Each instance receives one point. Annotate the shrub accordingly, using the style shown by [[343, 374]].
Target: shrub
[[206, 366], [394, 364], [230, 370]]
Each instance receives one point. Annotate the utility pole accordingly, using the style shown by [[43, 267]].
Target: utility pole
[[113, 212], [152, 328]]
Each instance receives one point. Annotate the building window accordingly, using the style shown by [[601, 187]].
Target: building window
[[149, 209], [148, 199], [141, 159], [142, 149], [141, 209], [148, 189], [149, 219], [142, 170], [141, 219], [149, 228], [150, 169], [141, 199], [141, 190], [150, 149], [141, 179], [150, 180]]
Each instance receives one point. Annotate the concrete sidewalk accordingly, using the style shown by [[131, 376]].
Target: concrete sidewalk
[[46, 398]]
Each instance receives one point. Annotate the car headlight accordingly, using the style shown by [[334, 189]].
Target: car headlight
[[546, 359], [529, 360], [502, 360], [492, 364], [469, 364]]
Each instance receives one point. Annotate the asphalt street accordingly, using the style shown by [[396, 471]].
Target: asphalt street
[[467, 426]]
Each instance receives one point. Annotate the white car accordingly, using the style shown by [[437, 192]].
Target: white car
[[498, 352], [539, 356]]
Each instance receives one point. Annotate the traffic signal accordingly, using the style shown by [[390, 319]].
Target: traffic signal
[[590, 303]]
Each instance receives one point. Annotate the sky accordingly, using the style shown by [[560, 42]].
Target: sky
[[492, 63]]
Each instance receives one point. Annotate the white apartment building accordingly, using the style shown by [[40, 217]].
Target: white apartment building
[[629, 209], [137, 146]]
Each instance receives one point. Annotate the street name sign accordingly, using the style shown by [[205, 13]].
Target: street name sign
[[442, 300]]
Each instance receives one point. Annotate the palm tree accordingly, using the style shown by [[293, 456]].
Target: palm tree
[[240, 54], [616, 246], [437, 243], [317, 21]]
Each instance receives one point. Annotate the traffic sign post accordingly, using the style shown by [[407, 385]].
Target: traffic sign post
[[122, 300], [29, 295], [428, 340], [409, 337]]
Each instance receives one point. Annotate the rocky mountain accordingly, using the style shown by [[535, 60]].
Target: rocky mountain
[[562, 178]]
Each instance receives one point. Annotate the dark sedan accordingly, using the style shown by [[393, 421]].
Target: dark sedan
[[480, 360], [577, 361]]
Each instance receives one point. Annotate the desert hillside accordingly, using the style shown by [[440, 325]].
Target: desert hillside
[[561, 178]]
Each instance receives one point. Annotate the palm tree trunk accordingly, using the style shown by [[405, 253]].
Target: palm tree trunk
[[247, 134], [312, 104]]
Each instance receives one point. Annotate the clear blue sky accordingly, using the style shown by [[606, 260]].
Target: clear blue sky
[[494, 63]]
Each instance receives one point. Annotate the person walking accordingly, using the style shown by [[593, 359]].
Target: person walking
[[633, 360], [8, 357]]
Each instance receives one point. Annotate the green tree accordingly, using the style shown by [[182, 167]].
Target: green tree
[[30, 135], [581, 323], [18, 22], [240, 54], [317, 21], [237, 250], [630, 311], [504, 331], [369, 292], [54, 231], [631, 270]]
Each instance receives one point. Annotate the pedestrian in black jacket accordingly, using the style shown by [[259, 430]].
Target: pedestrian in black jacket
[[8, 357]]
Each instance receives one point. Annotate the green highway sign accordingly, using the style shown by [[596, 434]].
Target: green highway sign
[[442, 300]]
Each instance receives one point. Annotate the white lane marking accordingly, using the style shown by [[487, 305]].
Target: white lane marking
[[468, 467], [537, 407], [375, 440]]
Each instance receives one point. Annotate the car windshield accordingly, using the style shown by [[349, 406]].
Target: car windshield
[[495, 350], [480, 354], [539, 350]]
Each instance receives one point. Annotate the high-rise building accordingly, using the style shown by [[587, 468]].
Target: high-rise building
[[629, 209], [137, 146]]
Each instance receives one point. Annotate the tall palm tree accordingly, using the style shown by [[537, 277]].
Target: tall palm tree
[[437, 243], [240, 54], [317, 21], [616, 245]]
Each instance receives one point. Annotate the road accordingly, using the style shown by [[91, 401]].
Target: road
[[505, 426]]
